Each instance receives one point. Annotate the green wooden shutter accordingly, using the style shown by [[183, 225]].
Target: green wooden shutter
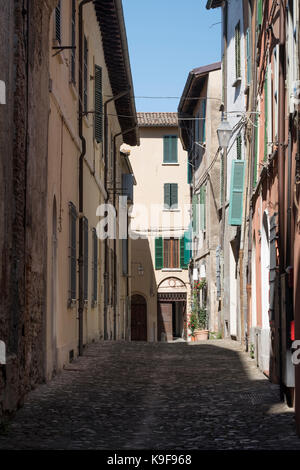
[[259, 12], [195, 213], [167, 195], [174, 195], [98, 118], [203, 208], [73, 260], [85, 257], [266, 119], [239, 147], [95, 267], [174, 149], [187, 246], [166, 149], [159, 253], [236, 192], [183, 254]]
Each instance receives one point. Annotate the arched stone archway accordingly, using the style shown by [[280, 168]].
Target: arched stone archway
[[138, 318]]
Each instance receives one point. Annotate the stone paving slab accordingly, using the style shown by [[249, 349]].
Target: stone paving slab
[[207, 395]]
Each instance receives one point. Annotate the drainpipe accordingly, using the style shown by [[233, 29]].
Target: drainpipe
[[281, 169], [114, 98], [80, 183], [114, 204]]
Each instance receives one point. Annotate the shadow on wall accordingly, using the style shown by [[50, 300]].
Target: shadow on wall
[[143, 283]]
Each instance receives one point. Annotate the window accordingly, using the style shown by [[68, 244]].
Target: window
[[85, 257], [248, 52], [73, 39], [58, 22], [72, 253], [170, 149], [95, 267], [85, 74], [259, 12], [98, 121], [125, 256], [171, 253], [237, 37], [170, 196]]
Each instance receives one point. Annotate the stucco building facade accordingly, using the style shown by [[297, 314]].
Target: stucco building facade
[[159, 220]]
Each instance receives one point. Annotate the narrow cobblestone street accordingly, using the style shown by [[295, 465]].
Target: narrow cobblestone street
[[120, 395]]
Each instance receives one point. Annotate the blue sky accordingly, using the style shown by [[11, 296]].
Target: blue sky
[[166, 39]]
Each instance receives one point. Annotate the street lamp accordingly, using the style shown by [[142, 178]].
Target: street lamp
[[224, 133]]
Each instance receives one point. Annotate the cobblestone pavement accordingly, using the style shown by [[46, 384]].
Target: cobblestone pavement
[[207, 395]]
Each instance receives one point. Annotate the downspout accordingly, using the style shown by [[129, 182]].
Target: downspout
[[252, 157], [115, 241], [80, 183], [114, 98], [281, 171]]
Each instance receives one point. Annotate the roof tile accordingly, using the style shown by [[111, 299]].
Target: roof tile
[[157, 119]]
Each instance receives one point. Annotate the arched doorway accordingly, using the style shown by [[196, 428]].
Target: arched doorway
[[138, 318], [171, 309]]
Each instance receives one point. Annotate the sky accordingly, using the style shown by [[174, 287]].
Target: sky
[[167, 39]]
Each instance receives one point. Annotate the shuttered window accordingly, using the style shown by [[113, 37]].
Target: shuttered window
[[72, 253], [256, 147], [95, 267], [259, 12], [202, 207], [170, 149], [195, 219], [125, 256], [98, 120], [236, 192], [58, 22], [73, 39], [248, 52], [85, 74], [237, 36], [202, 121], [189, 172], [170, 196], [273, 265], [85, 257], [158, 253], [239, 147]]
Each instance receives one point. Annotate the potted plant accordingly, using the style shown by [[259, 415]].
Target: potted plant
[[198, 319]]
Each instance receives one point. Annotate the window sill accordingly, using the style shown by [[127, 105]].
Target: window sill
[[59, 55], [171, 210], [237, 82], [170, 164], [72, 303], [173, 270]]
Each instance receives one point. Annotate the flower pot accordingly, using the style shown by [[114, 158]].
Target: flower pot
[[201, 335]]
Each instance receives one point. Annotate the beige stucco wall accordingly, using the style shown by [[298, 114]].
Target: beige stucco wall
[[151, 175], [64, 147]]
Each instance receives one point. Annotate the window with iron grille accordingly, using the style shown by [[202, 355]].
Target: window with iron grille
[[85, 257], [98, 119], [95, 267], [73, 39], [239, 147], [85, 74], [72, 253], [58, 22]]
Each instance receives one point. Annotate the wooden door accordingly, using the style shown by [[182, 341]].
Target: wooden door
[[165, 323], [138, 319]]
